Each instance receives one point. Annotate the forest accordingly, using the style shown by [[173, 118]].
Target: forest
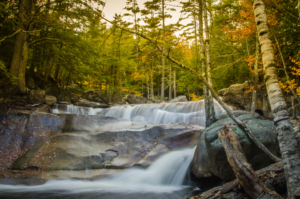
[[68, 49], [68, 42]]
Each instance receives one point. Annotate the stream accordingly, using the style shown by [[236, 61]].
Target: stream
[[167, 177]]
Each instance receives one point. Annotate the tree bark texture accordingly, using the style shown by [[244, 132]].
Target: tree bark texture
[[211, 110], [286, 137], [254, 92], [21, 46], [202, 58]]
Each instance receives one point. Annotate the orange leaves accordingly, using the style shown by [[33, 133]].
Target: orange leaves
[[288, 85]]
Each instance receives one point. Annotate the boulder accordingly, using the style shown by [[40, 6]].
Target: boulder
[[210, 158], [95, 142], [50, 100], [87, 103], [36, 97], [133, 99], [181, 98], [237, 95]]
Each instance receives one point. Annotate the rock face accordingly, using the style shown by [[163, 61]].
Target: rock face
[[181, 98], [236, 96], [20, 132], [36, 97], [50, 100], [51, 142], [133, 99], [210, 158]]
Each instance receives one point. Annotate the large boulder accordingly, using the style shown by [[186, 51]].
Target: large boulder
[[181, 98], [237, 95], [36, 96], [50, 100], [133, 99], [95, 142], [210, 158]]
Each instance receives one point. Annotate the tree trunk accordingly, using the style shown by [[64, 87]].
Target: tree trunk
[[174, 87], [254, 92], [202, 59], [243, 171], [170, 82], [21, 47], [211, 114], [23, 63], [286, 136], [163, 51], [151, 82]]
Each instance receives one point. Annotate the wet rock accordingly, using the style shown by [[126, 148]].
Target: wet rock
[[93, 142], [21, 132], [210, 158], [50, 100], [133, 99], [24, 181], [86, 103], [36, 97], [181, 98]]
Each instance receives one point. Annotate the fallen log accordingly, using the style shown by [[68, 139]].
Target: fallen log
[[243, 171]]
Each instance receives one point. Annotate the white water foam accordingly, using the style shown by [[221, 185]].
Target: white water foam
[[165, 175]]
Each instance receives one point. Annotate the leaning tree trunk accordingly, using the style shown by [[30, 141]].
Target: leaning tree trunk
[[254, 92], [286, 136], [244, 172]]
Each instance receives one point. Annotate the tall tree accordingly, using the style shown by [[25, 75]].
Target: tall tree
[[288, 145]]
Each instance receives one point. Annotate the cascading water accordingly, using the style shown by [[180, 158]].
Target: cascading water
[[164, 177], [187, 112], [71, 109]]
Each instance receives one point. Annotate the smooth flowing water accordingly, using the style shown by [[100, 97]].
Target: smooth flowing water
[[187, 112], [163, 179]]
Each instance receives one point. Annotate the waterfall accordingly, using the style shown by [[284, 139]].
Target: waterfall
[[187, 112]]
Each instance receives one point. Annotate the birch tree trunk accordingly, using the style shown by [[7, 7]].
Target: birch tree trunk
[[286, 136], [211, 110], [254, 92], [202, 58], [163, 51]]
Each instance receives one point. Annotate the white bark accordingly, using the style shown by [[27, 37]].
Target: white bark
[[288, 145]]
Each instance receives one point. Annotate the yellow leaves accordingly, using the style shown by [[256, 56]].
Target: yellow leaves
[[194, 97], [288, 86], [249, 90], [136, 76]]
